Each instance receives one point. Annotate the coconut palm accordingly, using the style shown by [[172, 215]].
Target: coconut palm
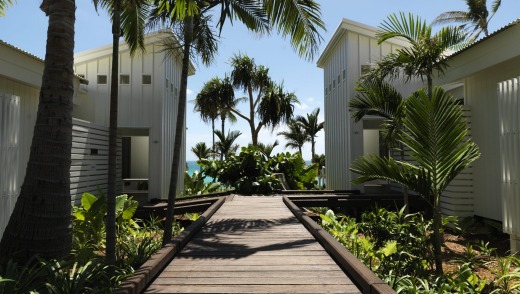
[[300, 20], [295, 136], [40, 223], [311, 126], [426, 54], [475, 20], [226, 143], [128, 20], [214, 100], [201, 151], [435, 135], [267, 149]]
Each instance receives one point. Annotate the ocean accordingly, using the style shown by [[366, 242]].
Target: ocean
[[192, 167]]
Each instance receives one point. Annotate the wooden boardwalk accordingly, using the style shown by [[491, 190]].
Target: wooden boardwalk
[[253, 245]]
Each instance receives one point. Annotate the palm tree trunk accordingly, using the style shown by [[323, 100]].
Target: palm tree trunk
[[430, 87], [213, 132], [254, 134], [188, 37], [312, 149], [223, 121], [112, 140], [41, 220], [437, 242]]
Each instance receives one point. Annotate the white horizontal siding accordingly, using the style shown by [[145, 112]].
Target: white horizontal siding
[[89, 171]]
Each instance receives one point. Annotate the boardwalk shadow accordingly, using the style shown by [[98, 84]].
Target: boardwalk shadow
[[239, 238]]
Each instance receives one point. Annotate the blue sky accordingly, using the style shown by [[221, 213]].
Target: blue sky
[[25, 26]]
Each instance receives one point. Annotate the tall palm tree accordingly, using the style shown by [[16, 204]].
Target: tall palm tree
[[475, 20], [226, 143], [300, 20], [4, 4], [426, 54], [214, 100], [128, 20], [295, 136], [435, 135], [40, 223], [311, 126]]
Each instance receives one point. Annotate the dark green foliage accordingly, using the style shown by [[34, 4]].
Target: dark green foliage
[[247, 172], [298, 174], [251, 172], [196, 185]]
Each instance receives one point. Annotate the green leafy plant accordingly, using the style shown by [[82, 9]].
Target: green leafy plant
[[196, 185], [298, 174]]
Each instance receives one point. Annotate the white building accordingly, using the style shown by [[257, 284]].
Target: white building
[[485, 76], [351, 51], [148, 99]]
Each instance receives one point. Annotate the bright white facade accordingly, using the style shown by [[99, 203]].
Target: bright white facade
[[149, 85], [351, 51], [485, 77], [148, 102]]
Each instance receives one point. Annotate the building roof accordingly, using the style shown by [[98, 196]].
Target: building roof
[[481, 40], [150, 38], [353, 26], [36, 58]]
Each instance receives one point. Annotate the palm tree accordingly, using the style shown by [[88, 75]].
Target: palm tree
[[426, 54], [40, 223], [4, 4], [311, 127], [128, 20], [476, 19], [300, 20], [435, 135], [295, 136], [201, 151], [226, 145], [214, 100], [267, 149]]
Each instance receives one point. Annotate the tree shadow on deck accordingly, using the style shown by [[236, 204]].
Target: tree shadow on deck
[[239, 238]]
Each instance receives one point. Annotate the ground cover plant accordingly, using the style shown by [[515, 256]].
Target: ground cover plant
[[85, 270], [398, 247]]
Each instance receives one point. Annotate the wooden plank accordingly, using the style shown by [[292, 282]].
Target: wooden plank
[[253, 245]]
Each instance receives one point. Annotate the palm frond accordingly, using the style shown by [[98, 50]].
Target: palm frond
[[300, 20], [4, 4], [450, 17], [133, 22], [410, 27], [249, 12]]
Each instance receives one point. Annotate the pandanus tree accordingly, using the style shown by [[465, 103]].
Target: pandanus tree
[[475, 20], [434, 133], [300, 20], [311, 126], [128, 20], [40, 223], [268, 103]]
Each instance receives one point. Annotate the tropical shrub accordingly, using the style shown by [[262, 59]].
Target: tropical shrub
[[196, 184], [247, 172], [298, 174]]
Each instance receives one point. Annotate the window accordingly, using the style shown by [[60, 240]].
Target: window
[[102, 79], [334, 84], [124, 79], [344, 74], [171, 87], [167, 83], [147, 79], [339, 79]]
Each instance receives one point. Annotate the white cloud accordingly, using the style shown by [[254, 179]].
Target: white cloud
[[301, 106], [189, 92]]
